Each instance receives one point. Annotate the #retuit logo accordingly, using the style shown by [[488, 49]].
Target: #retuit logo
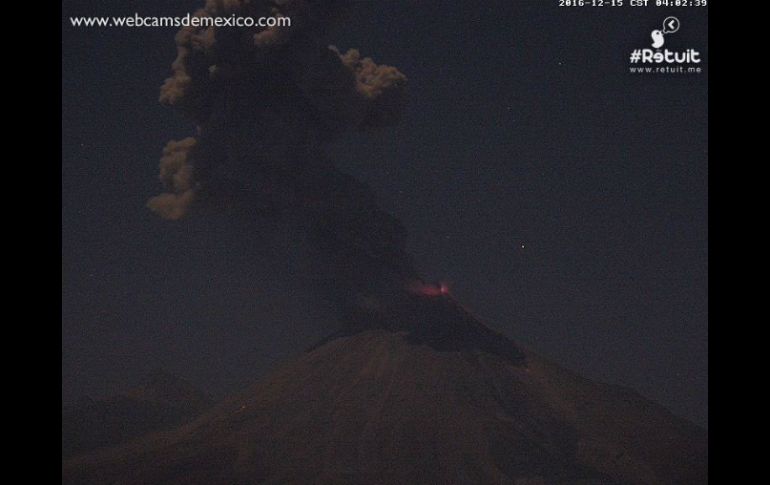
[[660, 60]]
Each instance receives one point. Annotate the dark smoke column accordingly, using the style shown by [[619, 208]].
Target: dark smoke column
[[265, 102]]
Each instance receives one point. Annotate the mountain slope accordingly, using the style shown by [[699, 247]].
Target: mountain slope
[[378, 407]]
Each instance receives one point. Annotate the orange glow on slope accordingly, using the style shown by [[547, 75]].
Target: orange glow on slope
[[427, 289]]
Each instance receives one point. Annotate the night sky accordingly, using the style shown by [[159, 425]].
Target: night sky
[[562, 198]]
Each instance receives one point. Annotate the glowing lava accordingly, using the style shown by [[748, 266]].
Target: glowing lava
[[426, 289]]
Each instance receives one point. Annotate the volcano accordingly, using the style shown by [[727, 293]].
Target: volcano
[[413, 389], [440, 398]]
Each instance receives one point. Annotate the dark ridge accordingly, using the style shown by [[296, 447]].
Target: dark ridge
[[436, 321], [444, 325], [345, 332]]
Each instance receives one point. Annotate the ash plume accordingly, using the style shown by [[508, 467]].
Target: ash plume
[[265, 102]]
